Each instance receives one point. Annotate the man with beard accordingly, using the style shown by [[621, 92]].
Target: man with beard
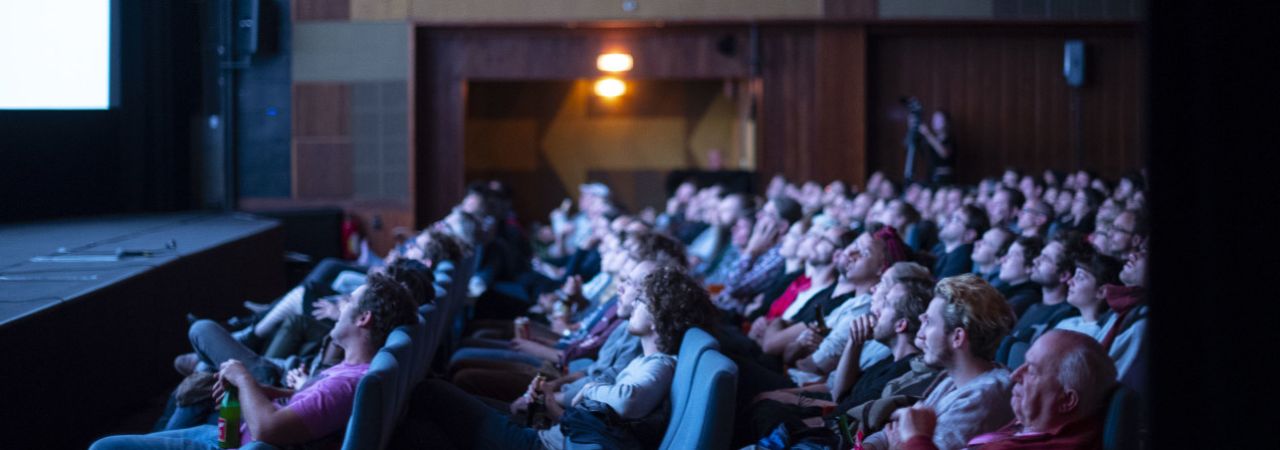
[[1051, 270], [1058, 399], [959, 333]]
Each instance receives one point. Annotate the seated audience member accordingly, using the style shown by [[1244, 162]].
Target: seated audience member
[[1059, 399], [988, 251], [1086, 292], [790, 249], [320, 409], [917, 233], [1051, 271], [959, 333], [955, 249], [788, 314], [1031, 188], [1015, 274], [1034, 218], [872, 258], [739, 237], [1084, 211], [504, 381], [896, 321], [759, 265], [1002, 210], [1127, 232], [1125, 336], [708, 250], [669, 302]]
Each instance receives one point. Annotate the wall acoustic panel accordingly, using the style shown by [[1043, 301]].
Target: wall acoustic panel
[[350, 51]]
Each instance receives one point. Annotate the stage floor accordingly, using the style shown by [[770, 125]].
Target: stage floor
[[43, 264], [90, 336]]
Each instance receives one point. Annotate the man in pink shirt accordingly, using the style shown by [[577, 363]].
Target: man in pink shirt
[[319, 411]]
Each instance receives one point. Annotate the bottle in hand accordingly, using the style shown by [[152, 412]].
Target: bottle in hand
[[229, 419]]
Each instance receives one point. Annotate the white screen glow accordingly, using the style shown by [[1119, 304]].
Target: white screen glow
[[55, 54]]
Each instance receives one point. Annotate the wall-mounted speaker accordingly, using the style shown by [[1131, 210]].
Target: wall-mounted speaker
[[1073, 62], [244, 18]]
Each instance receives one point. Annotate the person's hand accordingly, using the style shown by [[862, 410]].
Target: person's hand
[[520, 405], [762, 239], [809, 340], [924, 129], [551, 387], [914, 421], [231, 372], [862, 328], [547, 301], [560, 324], [573, 286], [758, 328], [296, 378], [325, 309]]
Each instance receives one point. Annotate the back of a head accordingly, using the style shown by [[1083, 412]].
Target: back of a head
[[1082, 366], [389, 303], [975, 219], [788, 209], [416, 277], [978, 308], [659, 248], [442, 247], [677, 303], [909, 270], [1103, 268], [919, 291]]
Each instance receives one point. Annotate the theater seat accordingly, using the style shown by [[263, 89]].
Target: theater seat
[[376, 408], [696, 342], [1012, 352], [1123, 428], [702, 395]]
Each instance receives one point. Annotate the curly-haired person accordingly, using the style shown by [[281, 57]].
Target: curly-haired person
[[670, 302]]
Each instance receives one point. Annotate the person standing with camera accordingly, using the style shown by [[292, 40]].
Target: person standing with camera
[[942, 153]]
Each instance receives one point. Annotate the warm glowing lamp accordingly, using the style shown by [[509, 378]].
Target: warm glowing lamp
[[614, 62], [608, 87]]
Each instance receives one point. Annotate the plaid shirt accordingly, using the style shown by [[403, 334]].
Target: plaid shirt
[[749, 277]]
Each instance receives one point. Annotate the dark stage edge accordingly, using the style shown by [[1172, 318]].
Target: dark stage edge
[[87, 343]]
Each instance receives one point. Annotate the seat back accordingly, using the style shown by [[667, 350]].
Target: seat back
[[695, 343], [1123, 428], [376, 409], [707, 420]]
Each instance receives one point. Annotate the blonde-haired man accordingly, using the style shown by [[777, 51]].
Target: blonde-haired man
[[959, 333]]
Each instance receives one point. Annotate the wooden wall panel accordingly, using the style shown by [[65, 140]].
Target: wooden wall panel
[[305, 10], [785, 115], [840, 104], [447, 58], [561, 53], [1008, 100], [322, 152], [322, 170], [812, 117], [849, 9]]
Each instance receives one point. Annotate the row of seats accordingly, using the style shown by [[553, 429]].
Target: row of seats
[[702, 391], [403, 362]]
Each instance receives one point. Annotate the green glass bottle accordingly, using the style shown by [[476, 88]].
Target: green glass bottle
[[229, 419]]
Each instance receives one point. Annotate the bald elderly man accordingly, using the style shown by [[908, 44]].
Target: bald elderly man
[[1058, 397]]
